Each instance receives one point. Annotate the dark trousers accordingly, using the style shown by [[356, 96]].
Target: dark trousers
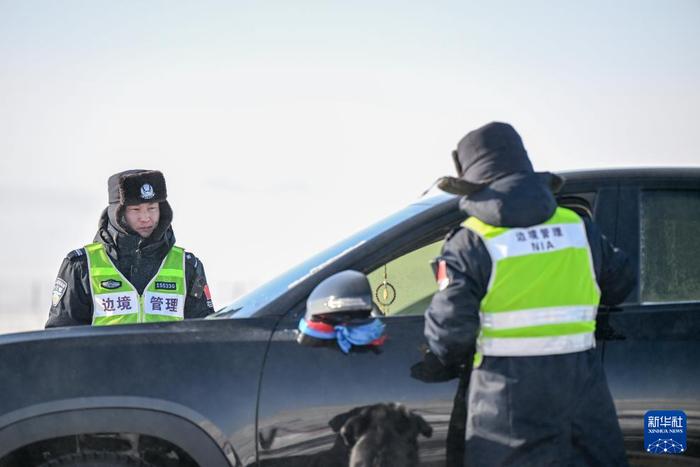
[[554, 410]]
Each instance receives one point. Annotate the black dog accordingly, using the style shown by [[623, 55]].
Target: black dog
[[384, 435], [380, 435]]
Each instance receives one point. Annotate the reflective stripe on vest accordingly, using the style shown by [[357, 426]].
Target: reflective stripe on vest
[[116, 301], [542, 296]]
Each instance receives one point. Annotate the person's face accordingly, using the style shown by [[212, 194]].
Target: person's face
[[143, 218]]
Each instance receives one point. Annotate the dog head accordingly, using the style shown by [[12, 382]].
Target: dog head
[[384, 417]]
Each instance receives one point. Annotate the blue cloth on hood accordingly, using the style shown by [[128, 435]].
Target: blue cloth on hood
[[347, 335]]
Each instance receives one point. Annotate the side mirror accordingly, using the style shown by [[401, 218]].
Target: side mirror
[[342, 298], [340, 309]]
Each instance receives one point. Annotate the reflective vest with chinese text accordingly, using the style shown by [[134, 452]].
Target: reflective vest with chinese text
[[116, 301], [542, 296]]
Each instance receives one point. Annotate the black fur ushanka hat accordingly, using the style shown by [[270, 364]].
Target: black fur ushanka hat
[[132, 187], [137, 186]]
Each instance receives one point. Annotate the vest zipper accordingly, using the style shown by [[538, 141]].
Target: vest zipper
[[141, 315]]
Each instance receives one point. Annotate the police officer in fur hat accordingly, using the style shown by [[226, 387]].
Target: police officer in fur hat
[[523, 281], [132, 272]]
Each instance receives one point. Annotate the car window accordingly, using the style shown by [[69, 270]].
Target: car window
[[405, 285], [669, 225], [580, 203], [250, 304]]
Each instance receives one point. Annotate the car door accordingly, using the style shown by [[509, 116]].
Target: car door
[[305, 391], [653, 340], [596, 201]]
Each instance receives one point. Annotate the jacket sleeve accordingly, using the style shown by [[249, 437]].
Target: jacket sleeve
[[614, 271], [198, 302], [452, 319], [71, 304]]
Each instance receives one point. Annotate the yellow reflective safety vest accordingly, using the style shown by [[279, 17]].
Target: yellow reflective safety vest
[[116, 301], [542, 297]]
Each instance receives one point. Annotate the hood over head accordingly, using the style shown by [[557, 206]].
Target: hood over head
[[120, 243], [517, 200], [491, 152], [499, 182]]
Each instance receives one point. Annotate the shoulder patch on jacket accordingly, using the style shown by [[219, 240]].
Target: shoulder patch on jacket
[[441, 276], [76, 253], [198, 287], [59, 289], [192, 259]]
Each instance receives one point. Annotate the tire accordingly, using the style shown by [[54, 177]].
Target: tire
[[97, 459]]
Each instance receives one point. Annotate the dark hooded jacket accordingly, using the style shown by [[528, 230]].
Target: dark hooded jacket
[[515, 196], [138, 259], [539, 410], [519, 200]]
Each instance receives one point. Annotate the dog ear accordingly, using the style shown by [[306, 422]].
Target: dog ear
[[267, 437], [354, 428], [420, 426], [339, 420]]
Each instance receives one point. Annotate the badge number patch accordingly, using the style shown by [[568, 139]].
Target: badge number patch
[[59, 289], [160, 285]]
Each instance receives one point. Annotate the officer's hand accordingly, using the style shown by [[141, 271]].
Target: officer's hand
[[431, 370]]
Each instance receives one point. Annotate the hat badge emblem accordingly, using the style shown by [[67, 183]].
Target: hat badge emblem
[[147, 191]]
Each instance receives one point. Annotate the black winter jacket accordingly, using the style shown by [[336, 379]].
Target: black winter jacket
[[518, 200], [138, 259]]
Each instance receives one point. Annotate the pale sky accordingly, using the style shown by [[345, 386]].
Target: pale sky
[[282, 127]]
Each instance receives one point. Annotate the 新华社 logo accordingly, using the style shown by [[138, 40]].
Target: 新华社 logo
[[665, 432]]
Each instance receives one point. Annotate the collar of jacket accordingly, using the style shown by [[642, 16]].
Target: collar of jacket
[[120, 243], [516, 200]]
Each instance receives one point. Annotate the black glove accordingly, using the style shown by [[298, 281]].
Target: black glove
[[431, 370]]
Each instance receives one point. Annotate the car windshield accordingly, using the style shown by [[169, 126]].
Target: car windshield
[[246, 305]]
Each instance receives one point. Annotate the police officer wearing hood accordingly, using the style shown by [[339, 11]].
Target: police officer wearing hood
[[133, 272], [524, 280]]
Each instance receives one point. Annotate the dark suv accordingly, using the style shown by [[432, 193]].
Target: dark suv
[[237, 389]]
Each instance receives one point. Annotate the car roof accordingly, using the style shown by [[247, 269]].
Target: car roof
[[266, 292], [599, 176], [631, 173]]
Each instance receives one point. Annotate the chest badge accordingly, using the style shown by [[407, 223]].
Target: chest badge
[[110, 284]]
